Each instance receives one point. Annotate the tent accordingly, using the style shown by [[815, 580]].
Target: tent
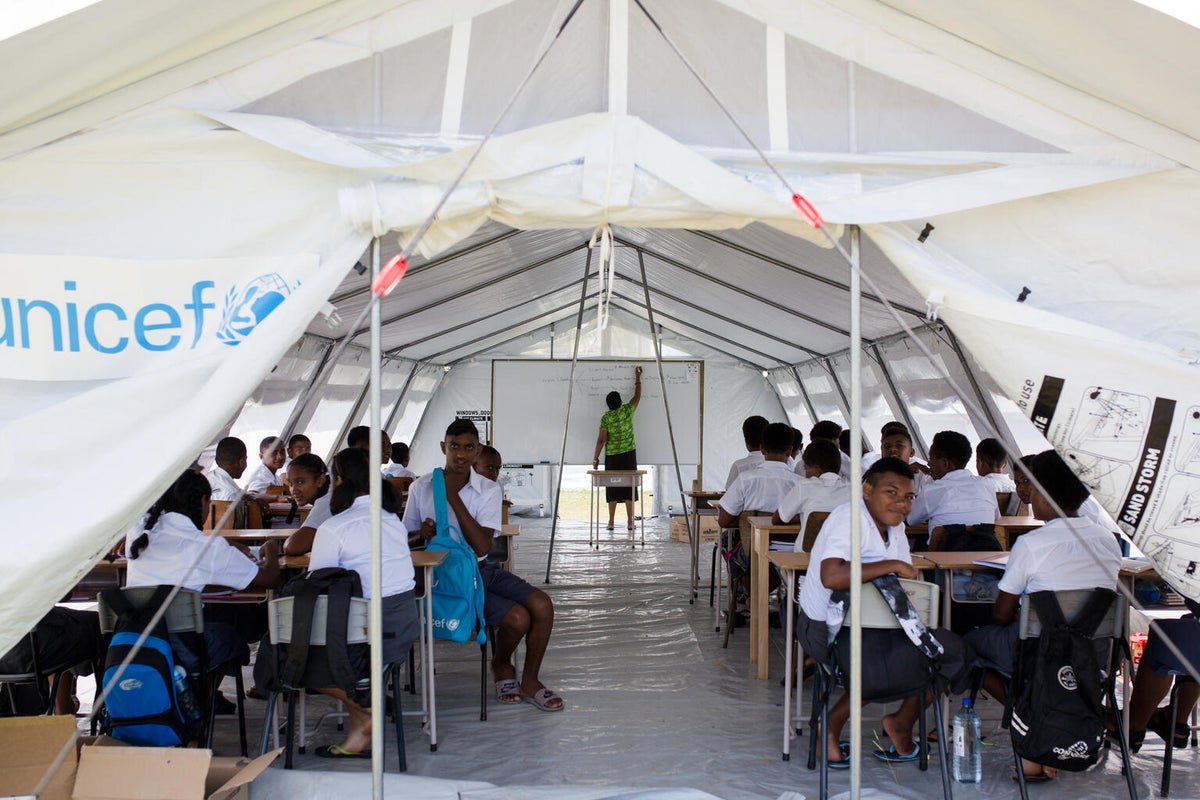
[[185, 191]]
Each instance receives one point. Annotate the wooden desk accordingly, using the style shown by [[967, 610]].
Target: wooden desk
[[700, 500], [761, 529], [614, 478], [789, 565], [1009, 528], [255, 535]]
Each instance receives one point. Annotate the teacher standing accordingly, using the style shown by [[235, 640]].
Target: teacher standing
[[620, 449]]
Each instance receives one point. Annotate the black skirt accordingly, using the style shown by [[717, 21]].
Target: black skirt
[[627, 460]]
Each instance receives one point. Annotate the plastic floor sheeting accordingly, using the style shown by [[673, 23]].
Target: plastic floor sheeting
[[652, 701]]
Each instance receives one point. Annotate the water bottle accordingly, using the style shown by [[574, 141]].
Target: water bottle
[[184, 696], [967, 761]]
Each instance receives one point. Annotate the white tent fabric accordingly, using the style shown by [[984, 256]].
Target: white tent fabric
[[1052, 148]]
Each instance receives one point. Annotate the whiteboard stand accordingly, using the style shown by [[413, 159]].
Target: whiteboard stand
[[614, 478]]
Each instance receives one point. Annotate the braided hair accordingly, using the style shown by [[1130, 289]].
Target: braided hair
[[354, 469], [186, 496]]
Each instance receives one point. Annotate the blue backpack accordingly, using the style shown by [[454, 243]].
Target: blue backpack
[[457, 590], [142, 708]]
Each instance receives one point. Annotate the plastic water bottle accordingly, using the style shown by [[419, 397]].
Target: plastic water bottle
[[184, 696], [967, 761]]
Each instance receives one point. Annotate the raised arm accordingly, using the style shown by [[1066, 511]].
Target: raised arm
[[477, 536], [637, 386]]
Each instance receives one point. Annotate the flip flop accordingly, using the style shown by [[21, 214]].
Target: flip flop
[[337, 751], [1040, 777], [891, 755], [541, 700], [844, 748], [508, 691]]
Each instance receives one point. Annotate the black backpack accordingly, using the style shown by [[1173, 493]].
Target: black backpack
[[337, 664], [1057, 718], [141, 707]]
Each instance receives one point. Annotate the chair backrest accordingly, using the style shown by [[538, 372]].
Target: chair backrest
[[1071, 601], [184, 615], [924, 598], [937, 540], [812, 527], [1002, 501], [276, 490], [246, 515], [279, 620], [499, 554]]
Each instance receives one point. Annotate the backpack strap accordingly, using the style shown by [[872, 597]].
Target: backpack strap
[[1094, 611], [336, 651], [440, 511], [304, 603]]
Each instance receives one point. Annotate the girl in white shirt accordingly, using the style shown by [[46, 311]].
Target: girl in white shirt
[[345, 541], [308, 481]]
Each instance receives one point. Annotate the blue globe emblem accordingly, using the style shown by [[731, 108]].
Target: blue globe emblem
[[247, 307]]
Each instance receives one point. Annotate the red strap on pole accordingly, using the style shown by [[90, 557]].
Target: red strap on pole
[[808, 210], [390, 276]]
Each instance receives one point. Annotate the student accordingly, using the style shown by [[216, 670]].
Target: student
[[887, 498], [822, 489], [954, 496], [752, 431], [794, 461], [764, 486], [1155, 673], [359, 438], [1023, 489], [518, 610], [399, 466], [309, 483], [1066, 553], [991, 462], [271, 455], [830, 431], [164, 553], [297, 445], [488, 464], [228, 465], [345, 541], [64, 636]]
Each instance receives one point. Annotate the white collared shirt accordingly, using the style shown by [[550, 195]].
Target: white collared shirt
[[483, 498], [344, 540], [318, 513], [834, 542], [175, 542], [224, 487], [394, 470], [1065, 553], [759, 489], [999, 481], [822, 493], [956, 498], [748, 461], [260, 478]]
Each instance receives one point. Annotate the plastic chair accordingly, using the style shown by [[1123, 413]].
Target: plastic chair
[[279, 631], [185, 615], [1111, 629], [876, 614]]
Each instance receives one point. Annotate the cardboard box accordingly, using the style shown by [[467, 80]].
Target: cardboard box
[[709, 530], [43, 758]]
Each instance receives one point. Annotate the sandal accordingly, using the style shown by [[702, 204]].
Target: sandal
[[542, 698], [1136, 738], [892, 755], [508, 691], [337, 751], [1158, 724], [844, 763], [1037, 777]]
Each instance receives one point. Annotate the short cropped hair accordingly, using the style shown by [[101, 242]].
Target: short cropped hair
[[268, 442], [296, 438], [1060, 483], [825, 429], [358, 436], [894, 426], [823, 454], [991, 452], [462, 426], [230, 450], [844, 441], [613, 400], [752, 431], [952, 446], [399, 452], [883, 466], [488, 450], [797, 439], [777, 438]]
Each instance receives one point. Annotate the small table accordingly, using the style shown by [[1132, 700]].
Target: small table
[[761, 529], [694, 534], [613, 479], [255, 535], [789, 564], [1009, 528]]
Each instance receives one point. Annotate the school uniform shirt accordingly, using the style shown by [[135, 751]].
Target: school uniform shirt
[[834, 542], [759, 489], [748, 461], [999, 482], [318, 513], [482, 497], [260, 478], [957, 498], [1062, 554], [344, 541], [175, 542], [825, 492], [868, 459], [845, 471], [1091, 509], [398, 471], [224, 487]]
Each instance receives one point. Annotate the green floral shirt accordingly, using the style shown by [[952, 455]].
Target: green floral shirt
[[619, 424]]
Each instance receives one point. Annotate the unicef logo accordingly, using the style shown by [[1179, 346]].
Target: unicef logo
[[452, 625], [245, 308]]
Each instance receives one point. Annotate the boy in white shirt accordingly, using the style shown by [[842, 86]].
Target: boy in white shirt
[[298, 444], [954, 496], [752, 431], [399, 466], [518, 610], [821, 490], [266, 473], [760, 488], [991, 462], [887, 498], [360, 437], [1066, 553], [829, 431], [229, 464]]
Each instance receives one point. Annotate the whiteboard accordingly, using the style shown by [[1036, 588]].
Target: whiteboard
[[529, 409]]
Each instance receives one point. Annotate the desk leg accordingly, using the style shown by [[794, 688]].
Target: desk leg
[[762, 632], [755, 583], [592, 521], [789, 578], [429, 677], [694, 544], [947, 606]]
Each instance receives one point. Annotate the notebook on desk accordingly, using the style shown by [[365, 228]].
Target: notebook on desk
[[999, 561]]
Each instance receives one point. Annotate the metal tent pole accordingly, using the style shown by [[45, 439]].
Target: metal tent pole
[[375, 618], [587, 266], [855, 518]]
